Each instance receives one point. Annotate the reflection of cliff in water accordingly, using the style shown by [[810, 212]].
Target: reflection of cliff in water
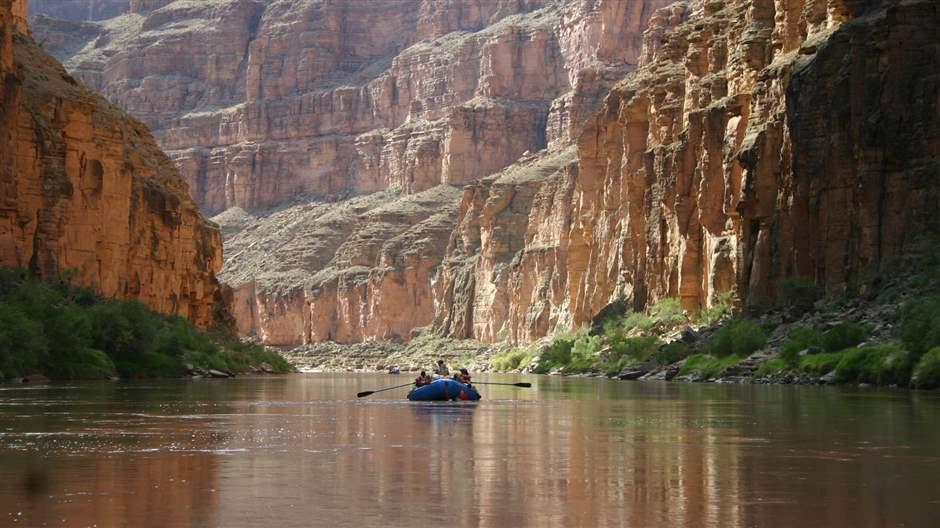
[[299, 451]]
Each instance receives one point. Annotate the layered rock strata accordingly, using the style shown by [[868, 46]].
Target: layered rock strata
[[758, 140], [85, 188], [258, 102], [375, 258]]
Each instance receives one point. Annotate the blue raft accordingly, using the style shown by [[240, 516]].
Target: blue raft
[[444, 389]]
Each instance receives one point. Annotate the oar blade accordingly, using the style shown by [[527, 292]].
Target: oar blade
[[364, 394], [524, 384]]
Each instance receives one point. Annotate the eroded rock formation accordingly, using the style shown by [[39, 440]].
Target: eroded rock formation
[[261, 103], [258, 102], [758, 140], [84, 187]]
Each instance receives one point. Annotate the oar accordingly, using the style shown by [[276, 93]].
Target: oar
[[369, 393], [523, 384]]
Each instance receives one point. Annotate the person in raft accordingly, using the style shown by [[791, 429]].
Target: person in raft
[[423, 379], [463, 377], [441, 368]]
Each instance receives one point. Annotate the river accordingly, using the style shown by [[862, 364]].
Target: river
[[303, 451]]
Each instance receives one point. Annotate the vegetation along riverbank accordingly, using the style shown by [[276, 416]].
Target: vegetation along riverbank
[[884, 330], [52, 329]]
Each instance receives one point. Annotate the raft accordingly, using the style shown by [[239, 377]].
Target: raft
[[444, 389]]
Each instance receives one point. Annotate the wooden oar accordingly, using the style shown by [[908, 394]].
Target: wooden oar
[[523, 384], [369, 393]]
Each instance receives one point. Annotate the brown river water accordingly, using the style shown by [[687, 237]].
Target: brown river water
[[303, 451]]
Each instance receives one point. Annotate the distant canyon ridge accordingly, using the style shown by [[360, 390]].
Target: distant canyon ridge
[[501, 169]]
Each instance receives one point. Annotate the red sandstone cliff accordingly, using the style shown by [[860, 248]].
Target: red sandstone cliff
[[759, 139], [84, 187], [258, 102], [262, 103]]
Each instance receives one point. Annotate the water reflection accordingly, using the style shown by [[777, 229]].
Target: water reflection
[[301, 451]]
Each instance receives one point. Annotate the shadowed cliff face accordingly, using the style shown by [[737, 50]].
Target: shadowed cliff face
[[85, 188], [756, 140]]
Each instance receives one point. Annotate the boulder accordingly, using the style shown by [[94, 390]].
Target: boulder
[[636, 371]]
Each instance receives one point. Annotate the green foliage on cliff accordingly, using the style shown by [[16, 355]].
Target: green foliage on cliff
[[67, 332]]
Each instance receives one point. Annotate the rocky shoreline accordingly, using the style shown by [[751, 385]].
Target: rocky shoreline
[[876, 307]]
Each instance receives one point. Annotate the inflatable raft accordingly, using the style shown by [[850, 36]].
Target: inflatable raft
[[444, 389]]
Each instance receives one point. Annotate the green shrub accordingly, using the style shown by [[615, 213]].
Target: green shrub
[[927, 373], [837, 338], [512, 359], [672, 352], [80, 363], [720, 308], [882, 365], [920, 326], [556, 355], [707, 365], [584, 353], [774, 366], [843, 336], [122, 329], [799, 340], [638, 321], [629, 351], [638, 348], [740, 337], [819, 364], [668, 313], [68, 332], [23, 342]]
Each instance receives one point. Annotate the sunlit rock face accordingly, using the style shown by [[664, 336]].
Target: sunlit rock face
[[84, 188], [260, 101], [758, 140], [405, 101], [521, 164]]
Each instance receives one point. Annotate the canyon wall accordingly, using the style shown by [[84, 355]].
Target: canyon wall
[[272, 104], [85, 188], [759, 140], [259, 102], [518, 165]]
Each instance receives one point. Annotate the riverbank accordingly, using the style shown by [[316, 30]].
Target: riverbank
[[52, 330], [884, 331]]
